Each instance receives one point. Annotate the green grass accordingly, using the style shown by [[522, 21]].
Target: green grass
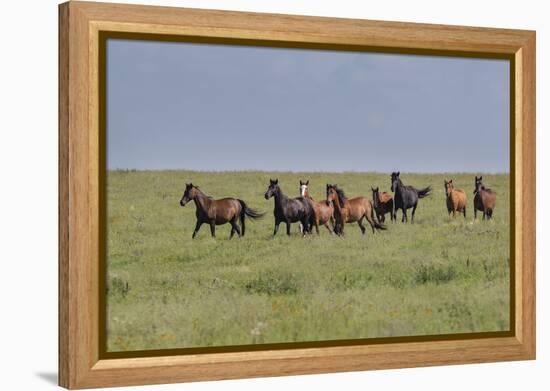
[[165, 290]]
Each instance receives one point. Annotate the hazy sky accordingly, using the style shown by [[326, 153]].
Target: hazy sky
[[216, 107]]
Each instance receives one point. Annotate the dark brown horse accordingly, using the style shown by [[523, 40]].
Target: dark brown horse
[[324, 210], [406, 196], [290, 210], [383, 203], [456, 199], [351, 210], [218, 212], [485, 199]]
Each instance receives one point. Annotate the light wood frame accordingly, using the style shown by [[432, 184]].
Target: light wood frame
[[80, 24]]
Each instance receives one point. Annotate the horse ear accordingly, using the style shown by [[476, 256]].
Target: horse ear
[[480, 178], [276, 181], [451, 181], [307, 182], [398, 172], [301, 182]]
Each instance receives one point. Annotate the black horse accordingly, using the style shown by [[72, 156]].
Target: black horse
[[290, 210], [406, 197]]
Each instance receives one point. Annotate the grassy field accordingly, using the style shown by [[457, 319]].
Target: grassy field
[[164, 290]]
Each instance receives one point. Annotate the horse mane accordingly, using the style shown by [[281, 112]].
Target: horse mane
[[487, 189], [341, 195], [202, 193], [400, 182]]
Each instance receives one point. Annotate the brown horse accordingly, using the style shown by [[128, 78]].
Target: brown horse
[[485, 199], [351, 210], [456, 199], [324, 211], [383, 203], [218, 212]]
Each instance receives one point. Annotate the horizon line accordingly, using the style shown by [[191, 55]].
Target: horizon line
[[305, 172]]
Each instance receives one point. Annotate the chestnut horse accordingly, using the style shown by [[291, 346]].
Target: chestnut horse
[[218, 212], [383, 203], [324, 211], [456, 199], [484, 199], [351, 210]]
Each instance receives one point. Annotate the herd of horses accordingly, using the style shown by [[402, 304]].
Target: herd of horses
[[336, 210]]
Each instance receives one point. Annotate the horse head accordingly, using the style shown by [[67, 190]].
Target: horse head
[[448, 186], [272, 189], [331, 192], [395, 180], [478, 184], [375, 196], [304, 188], [189, 194]]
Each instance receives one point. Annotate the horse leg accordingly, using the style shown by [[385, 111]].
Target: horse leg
[[475, 212], [412, 213], [484, 213], [464, 212], [234, 228], [404, 217], [331, 223], [360, 223], [197, 227], [276, 227], [328, 227], [288, 228], [213, 229], [372, 222]]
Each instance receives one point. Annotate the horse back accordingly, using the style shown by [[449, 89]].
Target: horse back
[[224, 210], [458, 198], [489, 198], [358, 207], [323, 210], [385, 197]]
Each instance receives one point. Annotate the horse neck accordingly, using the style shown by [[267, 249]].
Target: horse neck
[[202, 201], [398, 186], [279, 198], [481, 190], [306, 195], [337, 206]]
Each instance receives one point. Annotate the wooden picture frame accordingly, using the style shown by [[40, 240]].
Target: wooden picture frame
[[82, 363]]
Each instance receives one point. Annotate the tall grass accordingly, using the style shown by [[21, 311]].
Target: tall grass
[[165, 290]]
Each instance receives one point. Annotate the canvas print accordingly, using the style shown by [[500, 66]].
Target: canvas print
[[262, 195]]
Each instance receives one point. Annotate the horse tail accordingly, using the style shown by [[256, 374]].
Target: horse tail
[[246, 211], [424, 192]]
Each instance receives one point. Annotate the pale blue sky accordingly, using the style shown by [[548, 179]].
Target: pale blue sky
[[217, 107]]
